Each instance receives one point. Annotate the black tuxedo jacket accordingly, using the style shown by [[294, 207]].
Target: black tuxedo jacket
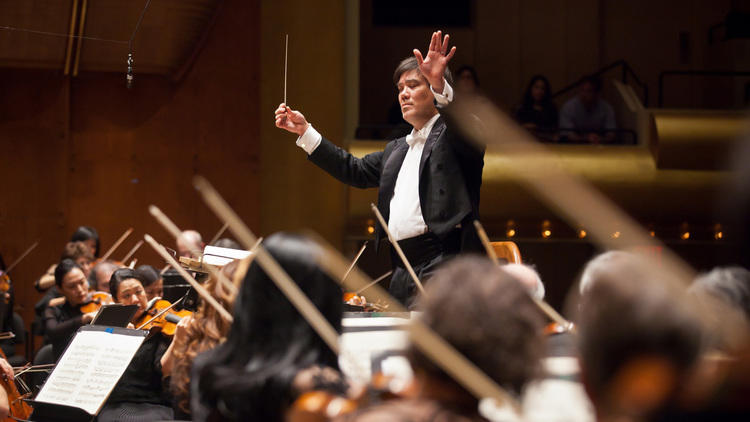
[[450, 175]]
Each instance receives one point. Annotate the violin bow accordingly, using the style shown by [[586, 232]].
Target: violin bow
[[397, 247], [541, 304], [356, 258], [175, 231], [432, 345], [132, 251], [277, 274], [219, 233], [162, 312], [373, 282], [117, 244], [161, 250], [20, 258]]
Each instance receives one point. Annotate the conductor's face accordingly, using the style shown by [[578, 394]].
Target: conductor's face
[[415, 98]]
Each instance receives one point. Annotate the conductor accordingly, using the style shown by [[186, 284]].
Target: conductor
[[428, 182]]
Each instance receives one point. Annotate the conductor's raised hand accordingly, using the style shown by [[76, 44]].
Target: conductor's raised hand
[[291, 120], [433, 65]]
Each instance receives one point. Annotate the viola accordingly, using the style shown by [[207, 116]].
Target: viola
[[168, 319], [95, 301], [18, 409]]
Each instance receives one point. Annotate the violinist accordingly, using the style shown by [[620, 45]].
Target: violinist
[[206, 329], [490, 320], [62, 321], [188, 243], [82, 256], [89, 236], [271, 354], [139, 395], [152, 281]]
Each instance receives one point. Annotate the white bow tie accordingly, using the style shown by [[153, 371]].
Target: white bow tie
[[417, 136]]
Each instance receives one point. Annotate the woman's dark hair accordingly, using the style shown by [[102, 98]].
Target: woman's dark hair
[[149, 275], [63, 268], [120, 275], [471, 70], [528, 100], [249, 376], [84, 233]]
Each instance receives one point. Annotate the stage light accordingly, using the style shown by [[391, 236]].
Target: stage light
[[718, 232], [684, 231], [510, 233], [616, 235], [370, 226], [582, 234], [510, 229]]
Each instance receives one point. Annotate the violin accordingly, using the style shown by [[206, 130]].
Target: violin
[[360, 301], [18, 408], [5, 284], [161, 314], [95, 301]]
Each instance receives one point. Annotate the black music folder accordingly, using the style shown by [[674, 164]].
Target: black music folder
[[86, 374]]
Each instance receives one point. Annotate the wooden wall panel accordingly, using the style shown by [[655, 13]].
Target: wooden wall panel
[[92, 152]]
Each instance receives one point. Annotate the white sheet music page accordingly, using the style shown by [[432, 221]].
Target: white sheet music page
[[90, 369]]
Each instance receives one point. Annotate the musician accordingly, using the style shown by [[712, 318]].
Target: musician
[[152, 281], [491, 320], [62, 321], [259, 370], [89, 236], [139, 395], [189, 243], [100, 275], [195, 335], [639, 338], [428, 181]]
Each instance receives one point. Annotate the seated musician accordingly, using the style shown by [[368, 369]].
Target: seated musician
[[152, 281], [100, 275], [195, 335], [639, 338], [62, 321], [89, 237], [490, 320], [139, 395], [257, 373]]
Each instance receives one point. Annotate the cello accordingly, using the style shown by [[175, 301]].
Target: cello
[[18, 409]]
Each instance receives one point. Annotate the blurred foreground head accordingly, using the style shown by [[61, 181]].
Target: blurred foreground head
[[639, 337], [488, 317]]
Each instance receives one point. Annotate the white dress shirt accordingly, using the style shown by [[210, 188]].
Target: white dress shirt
[[406, 218]]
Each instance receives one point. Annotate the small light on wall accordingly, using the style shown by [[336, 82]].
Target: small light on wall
[[652, 233], [370, 226], [510, 229], [718, 232], [684, 231], [546, 229], [582, 234], [616, 235]]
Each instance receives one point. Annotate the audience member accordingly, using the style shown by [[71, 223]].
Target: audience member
[[587, 117], [537, 111]]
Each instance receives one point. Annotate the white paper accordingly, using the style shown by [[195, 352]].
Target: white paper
[[89, 370]]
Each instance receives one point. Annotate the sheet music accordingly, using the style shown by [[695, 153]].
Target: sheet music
[[90, 369]]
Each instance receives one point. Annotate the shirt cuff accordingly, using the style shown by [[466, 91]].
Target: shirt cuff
[[445, 97], [309, 140]]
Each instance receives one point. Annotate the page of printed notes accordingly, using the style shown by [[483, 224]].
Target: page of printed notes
[[89, 369]]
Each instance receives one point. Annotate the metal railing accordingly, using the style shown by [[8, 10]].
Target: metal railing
[[627, 75]]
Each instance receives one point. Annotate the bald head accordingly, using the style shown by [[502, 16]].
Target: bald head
[[188, 242], [528, 277]]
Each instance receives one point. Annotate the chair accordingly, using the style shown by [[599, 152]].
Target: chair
[[508, 251]]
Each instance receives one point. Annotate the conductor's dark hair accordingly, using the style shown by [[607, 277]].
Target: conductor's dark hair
[[149, 275], [63, 268], [409, 64], [120, 275], [84, 233], [249, 376]]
